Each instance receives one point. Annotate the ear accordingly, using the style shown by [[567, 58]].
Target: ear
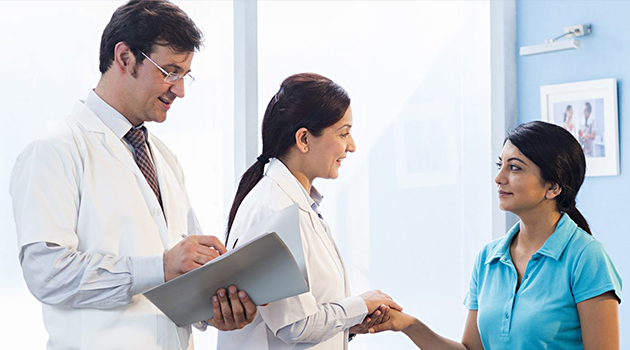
[[553, 191], [124, 60], [302, 138]]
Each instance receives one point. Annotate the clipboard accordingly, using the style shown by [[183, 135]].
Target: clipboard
[[264, 266]]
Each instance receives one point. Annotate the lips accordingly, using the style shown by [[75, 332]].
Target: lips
[[165, 101], [503, 193]]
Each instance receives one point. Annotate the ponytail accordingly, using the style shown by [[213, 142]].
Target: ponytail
[[577, 217], [249, 179]]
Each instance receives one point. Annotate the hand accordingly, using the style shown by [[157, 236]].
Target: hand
[[232, 309], [379, 316], [192, 252], [398, 321], [375, 298]]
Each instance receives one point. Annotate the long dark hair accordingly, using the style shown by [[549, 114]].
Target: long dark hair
[[560, 158], [305, 100]]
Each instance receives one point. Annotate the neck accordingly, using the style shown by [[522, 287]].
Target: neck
[[114, 97], [535, 227], [297, 170]]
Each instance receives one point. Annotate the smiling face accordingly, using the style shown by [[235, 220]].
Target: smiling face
[[327, 151], [519, 183], [148, 96]]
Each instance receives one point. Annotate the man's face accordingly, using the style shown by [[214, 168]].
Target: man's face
[[587, 112], [149, 97]]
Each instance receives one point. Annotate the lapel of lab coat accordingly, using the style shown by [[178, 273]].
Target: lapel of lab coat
[[118, 150], [292, 187]]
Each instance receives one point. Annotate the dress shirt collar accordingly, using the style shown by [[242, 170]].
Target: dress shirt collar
[[554, 245], [109, 116]]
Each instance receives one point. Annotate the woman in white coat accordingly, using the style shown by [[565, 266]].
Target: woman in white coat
[[306, 135]]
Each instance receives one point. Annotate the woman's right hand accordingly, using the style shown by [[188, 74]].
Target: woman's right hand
[[375, 298], [398, 321]]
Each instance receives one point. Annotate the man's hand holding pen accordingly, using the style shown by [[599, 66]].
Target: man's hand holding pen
[[232, 309]]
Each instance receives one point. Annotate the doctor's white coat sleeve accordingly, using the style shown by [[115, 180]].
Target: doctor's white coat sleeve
[[45, 190], [331, 319]]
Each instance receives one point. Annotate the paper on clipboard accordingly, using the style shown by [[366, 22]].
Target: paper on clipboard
[[263, 266]]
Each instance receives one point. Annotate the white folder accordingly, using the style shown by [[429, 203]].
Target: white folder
[[268, 264]]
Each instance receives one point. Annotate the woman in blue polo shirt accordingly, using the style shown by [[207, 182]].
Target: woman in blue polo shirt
[[547, 284]]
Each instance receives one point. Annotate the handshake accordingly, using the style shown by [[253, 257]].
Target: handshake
[[383, 314]]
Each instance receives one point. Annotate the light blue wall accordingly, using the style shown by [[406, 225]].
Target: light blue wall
[[604, 201]]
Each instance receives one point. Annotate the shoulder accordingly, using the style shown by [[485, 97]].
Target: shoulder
[[583, 245], [266, 198], [58, 141]]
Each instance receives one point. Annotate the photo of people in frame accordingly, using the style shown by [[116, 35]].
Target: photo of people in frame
[[585, 120]]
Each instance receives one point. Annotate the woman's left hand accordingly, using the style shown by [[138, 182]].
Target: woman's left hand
[[381, 315]]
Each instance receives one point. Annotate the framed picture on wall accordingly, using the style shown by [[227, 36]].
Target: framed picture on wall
[[588, 110]]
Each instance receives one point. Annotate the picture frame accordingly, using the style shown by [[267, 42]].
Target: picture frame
[[587, 109]]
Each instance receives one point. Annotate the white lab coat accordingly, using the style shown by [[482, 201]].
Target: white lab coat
[[328, 281], [79, 187]]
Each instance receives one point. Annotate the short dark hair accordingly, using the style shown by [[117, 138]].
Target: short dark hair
[[305, 100], [144, 23], [560, 158]]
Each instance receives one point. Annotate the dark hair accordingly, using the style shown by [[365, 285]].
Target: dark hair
[[560, 158], [305, 100], [144, 23], [588, 105]]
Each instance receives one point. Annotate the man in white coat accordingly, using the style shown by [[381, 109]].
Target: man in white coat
[[100, 203]]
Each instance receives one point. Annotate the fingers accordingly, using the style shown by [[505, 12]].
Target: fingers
[[237, 308], [392, 304], [210, 241], [386, 315], [248, 305], [217, 317], [191, 253], [232, 309], [226, 310]]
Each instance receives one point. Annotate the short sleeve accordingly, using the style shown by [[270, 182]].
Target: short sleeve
[[471, 297], [594, 274]]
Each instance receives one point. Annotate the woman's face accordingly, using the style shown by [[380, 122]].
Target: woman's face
[[327, 151], [569, 113], [519, 183]]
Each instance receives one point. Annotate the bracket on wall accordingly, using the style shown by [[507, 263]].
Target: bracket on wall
[[556, 44]]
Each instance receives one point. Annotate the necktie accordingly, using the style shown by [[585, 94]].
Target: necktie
[[136, 138]]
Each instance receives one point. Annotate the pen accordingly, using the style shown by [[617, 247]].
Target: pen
[[183, 235]]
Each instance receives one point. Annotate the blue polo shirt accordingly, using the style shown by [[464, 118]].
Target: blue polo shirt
[[569, 268]]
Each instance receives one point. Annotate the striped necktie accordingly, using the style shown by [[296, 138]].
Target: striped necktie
[[137, 140]]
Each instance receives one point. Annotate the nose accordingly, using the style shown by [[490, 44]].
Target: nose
[[351, 147], [500, 179], [178, 88]]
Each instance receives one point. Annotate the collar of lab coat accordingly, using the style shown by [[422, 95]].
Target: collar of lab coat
[[90, 122], [291, 186]]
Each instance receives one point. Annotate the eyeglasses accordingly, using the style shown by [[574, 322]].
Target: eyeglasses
[[171, 78]]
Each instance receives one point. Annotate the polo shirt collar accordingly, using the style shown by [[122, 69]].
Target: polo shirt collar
[[554, 245]]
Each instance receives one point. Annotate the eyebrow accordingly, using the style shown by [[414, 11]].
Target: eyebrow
[[516, 159], [345, 126], [177, 68]]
